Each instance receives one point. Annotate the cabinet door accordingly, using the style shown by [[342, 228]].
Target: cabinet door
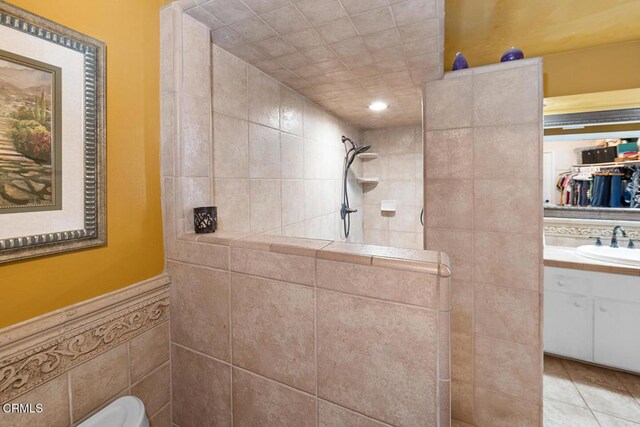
[[617, 334], [568, 325]]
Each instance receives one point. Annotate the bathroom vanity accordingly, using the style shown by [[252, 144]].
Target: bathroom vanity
[[591, 309]]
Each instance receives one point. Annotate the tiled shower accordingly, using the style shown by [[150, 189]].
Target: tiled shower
[[277, 160], [270, 158]]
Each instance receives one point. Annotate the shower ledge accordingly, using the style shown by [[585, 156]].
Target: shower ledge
[[431, 262], [368, 180]]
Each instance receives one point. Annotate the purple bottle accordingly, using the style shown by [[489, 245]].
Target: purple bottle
[[460, 63], [512, 54]]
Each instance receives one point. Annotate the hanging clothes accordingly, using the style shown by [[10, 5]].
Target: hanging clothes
[[615, 200], [634, 201], [600, 187], [585, 190], [599, 184]]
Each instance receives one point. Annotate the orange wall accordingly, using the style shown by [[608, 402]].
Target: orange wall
[[130, 29], [599, 69]]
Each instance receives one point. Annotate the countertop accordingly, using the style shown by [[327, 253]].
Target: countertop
[[566, 257]]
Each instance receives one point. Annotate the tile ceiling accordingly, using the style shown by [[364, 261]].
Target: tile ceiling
[[343, 54]]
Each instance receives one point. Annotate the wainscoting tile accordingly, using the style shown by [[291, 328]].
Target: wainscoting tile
[[162, 418], [148, 351], [54, 397], [97, 380], [154, 390]]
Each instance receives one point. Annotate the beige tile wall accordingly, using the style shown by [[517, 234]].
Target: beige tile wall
[[399, 169], [483, 146], [298, 332], [98, 351], [277, 157], [267, 157]]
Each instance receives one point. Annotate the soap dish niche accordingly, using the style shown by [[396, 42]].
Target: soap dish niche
[[388, 206]]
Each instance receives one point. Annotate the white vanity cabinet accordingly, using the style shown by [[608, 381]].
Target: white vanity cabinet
[[592, 316], [568, 313], [616, 334]]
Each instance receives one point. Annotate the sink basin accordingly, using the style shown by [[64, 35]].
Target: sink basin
[[614, 255]]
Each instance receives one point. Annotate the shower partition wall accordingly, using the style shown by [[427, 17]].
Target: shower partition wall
[[484, 132], [398, 168]]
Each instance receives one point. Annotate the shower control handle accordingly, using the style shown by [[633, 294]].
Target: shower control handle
[[346, 210]]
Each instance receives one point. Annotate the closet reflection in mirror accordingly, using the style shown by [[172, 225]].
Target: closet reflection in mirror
[[593, 175]]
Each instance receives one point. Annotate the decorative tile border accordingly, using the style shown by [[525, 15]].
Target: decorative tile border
[[106, 322], [587, 228]]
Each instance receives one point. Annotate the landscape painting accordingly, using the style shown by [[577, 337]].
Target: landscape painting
[[29, 135]]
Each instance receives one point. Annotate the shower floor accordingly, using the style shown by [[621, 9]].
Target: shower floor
[[581, 395]]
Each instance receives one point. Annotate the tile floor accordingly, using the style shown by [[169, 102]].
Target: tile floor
[[581, 395]]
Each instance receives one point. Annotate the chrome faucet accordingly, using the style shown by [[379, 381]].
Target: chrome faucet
[[614, 235]]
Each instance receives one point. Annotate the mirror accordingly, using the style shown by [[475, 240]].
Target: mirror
[[591, 164]]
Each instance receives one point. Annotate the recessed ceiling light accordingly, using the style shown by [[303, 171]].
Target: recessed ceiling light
[[378, 106]]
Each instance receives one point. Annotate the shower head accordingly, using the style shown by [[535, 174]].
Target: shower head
[[354, 146], [362, 149]]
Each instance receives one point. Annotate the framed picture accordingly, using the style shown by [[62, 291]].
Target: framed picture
[[52, 137]]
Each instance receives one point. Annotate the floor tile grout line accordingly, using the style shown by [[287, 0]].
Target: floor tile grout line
[[600, 386], [575, 406]]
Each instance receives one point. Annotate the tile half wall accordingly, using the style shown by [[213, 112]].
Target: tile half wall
[[272, 330]]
